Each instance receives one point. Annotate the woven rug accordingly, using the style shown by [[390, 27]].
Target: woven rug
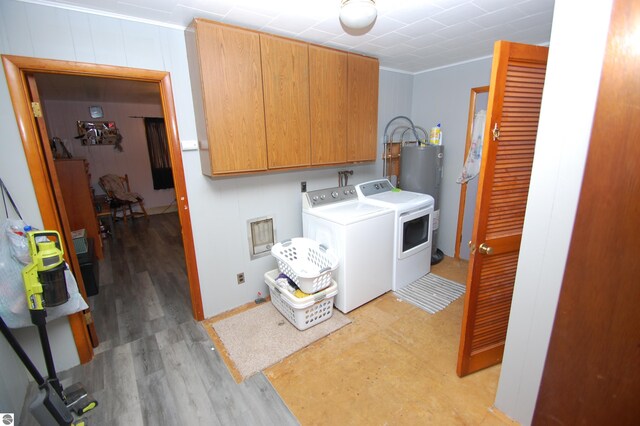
[[260, 337], [431, 293]]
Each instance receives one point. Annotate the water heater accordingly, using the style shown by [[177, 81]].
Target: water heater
[[421, 169]]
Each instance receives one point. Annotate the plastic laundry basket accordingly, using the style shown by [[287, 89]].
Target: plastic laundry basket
[[308, 263], [302, 312]]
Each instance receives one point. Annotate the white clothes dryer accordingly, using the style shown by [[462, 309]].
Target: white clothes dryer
[[412, 228], [362, 236]]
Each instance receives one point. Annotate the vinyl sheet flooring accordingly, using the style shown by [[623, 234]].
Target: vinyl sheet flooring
[[155, 365]]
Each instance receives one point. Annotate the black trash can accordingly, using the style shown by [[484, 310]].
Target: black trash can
[[89, 269]]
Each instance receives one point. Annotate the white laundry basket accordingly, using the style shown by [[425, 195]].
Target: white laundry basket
[[308, 263], [303, 312]]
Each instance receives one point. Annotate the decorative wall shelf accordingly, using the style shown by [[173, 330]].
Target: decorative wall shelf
[[94, 133]]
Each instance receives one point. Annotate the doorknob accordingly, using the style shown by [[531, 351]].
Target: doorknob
[[485, 249], [496, 132]]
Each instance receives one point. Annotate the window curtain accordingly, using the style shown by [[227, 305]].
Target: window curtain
[[158, 153]]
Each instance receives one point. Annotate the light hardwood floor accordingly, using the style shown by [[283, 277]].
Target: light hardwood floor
[[393, 365], [155, 365]]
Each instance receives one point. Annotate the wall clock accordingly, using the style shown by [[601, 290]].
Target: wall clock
[[96, 111]]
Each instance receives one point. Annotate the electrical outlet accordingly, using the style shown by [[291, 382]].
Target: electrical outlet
[[240, 277], [303, 186]]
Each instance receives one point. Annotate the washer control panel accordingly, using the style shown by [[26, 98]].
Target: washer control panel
[[375, 187], [322, 197]]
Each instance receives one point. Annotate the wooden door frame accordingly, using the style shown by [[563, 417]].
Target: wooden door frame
[[16, 69], [591, 373], [463, 187]]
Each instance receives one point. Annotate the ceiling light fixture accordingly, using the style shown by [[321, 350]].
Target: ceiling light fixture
[[358, 14]]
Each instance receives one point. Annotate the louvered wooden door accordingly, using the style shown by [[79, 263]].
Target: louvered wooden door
[[517, 79]]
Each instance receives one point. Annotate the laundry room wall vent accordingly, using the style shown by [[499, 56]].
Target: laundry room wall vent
[[262, 236]]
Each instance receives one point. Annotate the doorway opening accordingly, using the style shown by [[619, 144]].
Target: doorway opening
[[23, 88]]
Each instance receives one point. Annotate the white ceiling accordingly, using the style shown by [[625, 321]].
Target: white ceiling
[[408, 35]]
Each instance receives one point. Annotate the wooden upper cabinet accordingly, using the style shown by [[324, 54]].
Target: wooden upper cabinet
[[285, 75], [266, 102], [328, 105], [362, 132], [227, 61]]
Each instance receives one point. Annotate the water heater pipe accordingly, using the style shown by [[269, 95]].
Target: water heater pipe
[[386, 139]]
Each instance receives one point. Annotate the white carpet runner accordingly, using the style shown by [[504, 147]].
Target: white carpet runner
[[431, 293]]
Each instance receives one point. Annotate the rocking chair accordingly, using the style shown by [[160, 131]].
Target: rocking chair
[[121, 198]]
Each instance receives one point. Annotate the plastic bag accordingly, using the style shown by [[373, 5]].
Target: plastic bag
[[19, 246], [474, 157], [13, 300]]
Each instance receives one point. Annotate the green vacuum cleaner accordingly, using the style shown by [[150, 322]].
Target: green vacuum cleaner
[[45, 286]]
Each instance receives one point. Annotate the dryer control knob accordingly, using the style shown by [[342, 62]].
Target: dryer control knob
[[322, 197], [346, 192], [353, 191], [315, 198], [334, 194]]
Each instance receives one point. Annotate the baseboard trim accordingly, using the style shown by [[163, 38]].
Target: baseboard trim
[[162, 209], [502, 416]]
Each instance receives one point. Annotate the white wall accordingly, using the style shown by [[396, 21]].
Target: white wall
[[227, 203], [568, 103], [133, 160], [396, 97], [13, 381], [14, 172], [442, 96]]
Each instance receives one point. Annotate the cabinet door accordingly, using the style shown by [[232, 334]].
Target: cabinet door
[[285, 73], [328, 105], [78, 200], [232, 96], [363, 108]]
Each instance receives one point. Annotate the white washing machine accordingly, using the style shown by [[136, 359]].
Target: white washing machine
[[362, 236], [412, 228]]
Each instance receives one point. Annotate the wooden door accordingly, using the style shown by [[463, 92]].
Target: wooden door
[[83, 318], [285, 74], [362, 133], [328, 105], [229, 69], [75, 185], [592, 374], [517, 79]]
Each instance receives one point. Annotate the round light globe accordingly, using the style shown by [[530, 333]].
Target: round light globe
[[358, 14]]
